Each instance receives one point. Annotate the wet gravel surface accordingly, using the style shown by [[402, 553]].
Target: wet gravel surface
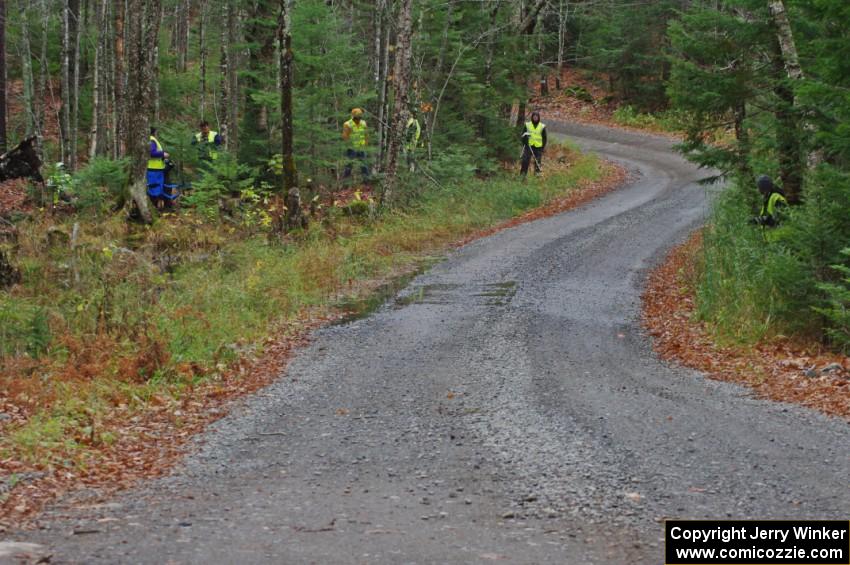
[[504, 407]]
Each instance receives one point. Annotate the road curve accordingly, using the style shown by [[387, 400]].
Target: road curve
[[505, 406]]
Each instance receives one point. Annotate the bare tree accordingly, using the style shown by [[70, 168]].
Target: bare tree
[[381, 63], [25, 53], [180, 39], [563, 15], [294, 214], [65, 80], [401, 86], [41, 93], [232, 107], [98, 133], [2, 76], [76, 37], [202, 54], [119, 64]]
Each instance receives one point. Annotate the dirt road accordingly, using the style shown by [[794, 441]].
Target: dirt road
[[505, 406]]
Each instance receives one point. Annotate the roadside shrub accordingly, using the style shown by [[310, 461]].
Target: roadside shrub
[[23, 329], [628, 116], [837, 310], [579, 93], [758, 282], [223, 177]]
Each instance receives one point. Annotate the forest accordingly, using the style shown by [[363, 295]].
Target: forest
[[110, 305]]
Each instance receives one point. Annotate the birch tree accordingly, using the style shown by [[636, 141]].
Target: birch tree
[[98, 133]]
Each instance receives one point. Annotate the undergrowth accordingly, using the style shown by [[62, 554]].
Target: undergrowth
[[755, 283], [132, 318]]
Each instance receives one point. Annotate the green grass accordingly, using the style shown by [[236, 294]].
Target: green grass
[[668, 121], [121, 336]]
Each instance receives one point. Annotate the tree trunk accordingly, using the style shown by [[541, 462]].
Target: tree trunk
[[155, 67], [181, 34], [119, 60], [224, 83], [563, 14], [294, 214], [526, 23], [742, 137], [290, 178], [202, 54], [26, 71], [383, 98], [232, 81], [41, 96], [98, 98], [75, 85], [2, 76], [788, 145], [380, 74], [786, 39], [65, 80], [401, 86], [791, 61], [143, 17]]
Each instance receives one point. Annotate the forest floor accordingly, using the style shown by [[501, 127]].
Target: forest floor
[[126, 431]]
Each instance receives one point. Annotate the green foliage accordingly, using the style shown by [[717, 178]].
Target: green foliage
[[222, 177], [628, 116], [579, 93], [627, 43], [23, 328], [837, 309], [58, 182], [101, 185], [762, 281]]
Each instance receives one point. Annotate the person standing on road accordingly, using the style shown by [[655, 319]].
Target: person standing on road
[[355, 133], [534, 142]]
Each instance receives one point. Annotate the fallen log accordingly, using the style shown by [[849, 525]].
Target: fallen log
[[21, 161]]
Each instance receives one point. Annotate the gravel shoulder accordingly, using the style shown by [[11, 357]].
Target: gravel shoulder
[[504, 406]]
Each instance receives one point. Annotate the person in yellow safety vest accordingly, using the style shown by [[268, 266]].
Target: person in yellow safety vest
[[207, 141], [534, 142], [412, 133], [355, 133], [774, 202], [156, 170]]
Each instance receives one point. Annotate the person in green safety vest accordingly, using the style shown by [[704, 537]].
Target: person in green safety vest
[[356, 134], [774, 203], [412, 133], [534, 142], [207, 141]]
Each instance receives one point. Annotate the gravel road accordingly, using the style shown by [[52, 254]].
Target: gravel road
[[505, 407]]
